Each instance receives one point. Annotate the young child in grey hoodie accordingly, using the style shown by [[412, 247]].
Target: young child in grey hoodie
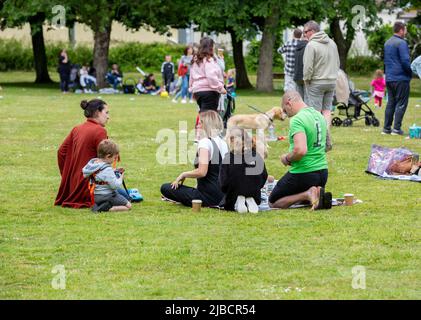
[[100, 172]]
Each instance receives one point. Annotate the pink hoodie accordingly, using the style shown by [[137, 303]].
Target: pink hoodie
[[206, 77]]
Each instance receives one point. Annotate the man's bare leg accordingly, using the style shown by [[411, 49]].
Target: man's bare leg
[[311, 195]]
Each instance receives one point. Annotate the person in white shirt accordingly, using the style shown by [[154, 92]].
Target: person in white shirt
[[211, 150]]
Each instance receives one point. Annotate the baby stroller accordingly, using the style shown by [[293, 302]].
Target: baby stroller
[[351, 103], [226, 108], [74, 80]]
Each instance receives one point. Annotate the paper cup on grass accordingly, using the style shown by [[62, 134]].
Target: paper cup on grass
[[349, 199], [196, 205]]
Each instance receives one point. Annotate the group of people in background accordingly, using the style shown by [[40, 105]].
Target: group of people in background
[[312, 64], [178, 88], [311, 68]]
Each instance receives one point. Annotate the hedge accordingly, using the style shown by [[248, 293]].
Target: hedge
[[149, 57]]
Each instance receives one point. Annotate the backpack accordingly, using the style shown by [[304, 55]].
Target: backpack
[[182, 70]]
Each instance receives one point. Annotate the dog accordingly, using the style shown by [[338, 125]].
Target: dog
[[260, 121], [257, 121]]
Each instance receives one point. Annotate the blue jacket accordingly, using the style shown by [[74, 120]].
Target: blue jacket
[[396, 60]]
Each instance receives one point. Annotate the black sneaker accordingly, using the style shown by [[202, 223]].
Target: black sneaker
[[386, 131], [397, 132], [104, 206]]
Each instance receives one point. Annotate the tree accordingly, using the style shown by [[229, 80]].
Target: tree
[[272, 17], [377, 38], [100, 14], [15, 13], [264, 80], [227, 16], [354, 17]]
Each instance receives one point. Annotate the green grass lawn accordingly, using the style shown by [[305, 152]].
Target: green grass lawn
[[164, 251]]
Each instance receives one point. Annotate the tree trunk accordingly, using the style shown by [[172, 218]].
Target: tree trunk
[[241, 78], [38, 48], [343, 44], [101, 48], [264, 80]]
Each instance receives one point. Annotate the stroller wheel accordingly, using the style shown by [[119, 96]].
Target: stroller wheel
[[368, 121], [375, 122], [336, 122], [347, 122]]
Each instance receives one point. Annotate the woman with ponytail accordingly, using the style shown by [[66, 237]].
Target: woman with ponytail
[[77, 149]]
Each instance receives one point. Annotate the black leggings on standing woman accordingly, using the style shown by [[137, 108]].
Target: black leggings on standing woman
[[64, 82]]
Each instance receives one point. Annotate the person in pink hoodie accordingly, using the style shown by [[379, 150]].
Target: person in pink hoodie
[[206, 77], [379, 85]]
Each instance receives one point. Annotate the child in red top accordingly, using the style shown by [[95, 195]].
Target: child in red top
[[379, 85]]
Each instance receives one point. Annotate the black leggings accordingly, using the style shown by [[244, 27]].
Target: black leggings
[[207, 100], [185, 195], [295, 183], [64, 82]]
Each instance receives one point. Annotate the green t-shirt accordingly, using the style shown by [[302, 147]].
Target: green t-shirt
[[313, 124]]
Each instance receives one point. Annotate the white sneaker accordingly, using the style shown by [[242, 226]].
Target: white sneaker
[[240, 205], [174, 100], [251, 205], [191, 101], [183, 101]]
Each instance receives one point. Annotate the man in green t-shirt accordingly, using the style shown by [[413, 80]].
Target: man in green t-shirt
[[308, 174]]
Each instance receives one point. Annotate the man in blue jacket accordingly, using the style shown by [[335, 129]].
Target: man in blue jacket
[[398, 74]]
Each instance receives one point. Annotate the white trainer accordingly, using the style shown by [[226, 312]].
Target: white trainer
[[252, 206], [240, 205], [183, 101]]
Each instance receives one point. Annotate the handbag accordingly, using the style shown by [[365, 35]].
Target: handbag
[[129, 86], [182, 70]]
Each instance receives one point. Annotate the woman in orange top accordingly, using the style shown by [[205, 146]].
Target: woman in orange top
[[77, 149]]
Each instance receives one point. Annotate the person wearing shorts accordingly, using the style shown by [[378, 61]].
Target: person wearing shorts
[[321, 67], [101, 175], [308, 173]]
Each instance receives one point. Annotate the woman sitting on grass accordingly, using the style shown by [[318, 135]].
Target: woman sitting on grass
[[243, 173], [211, 150], [77, 149]]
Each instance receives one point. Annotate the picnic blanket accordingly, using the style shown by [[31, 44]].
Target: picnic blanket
[[382, 158]]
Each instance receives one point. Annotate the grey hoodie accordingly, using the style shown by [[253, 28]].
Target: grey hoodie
[[321, 59], [106, 174]]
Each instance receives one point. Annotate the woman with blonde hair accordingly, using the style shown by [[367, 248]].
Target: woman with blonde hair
[[211, 150], [243, 173]]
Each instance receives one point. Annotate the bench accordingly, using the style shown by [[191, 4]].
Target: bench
[[278, 75]]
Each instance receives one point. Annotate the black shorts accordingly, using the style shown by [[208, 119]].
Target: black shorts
[[295, 183], [207, 100], [115, 198]]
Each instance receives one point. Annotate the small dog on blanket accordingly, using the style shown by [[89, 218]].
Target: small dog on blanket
[[257, 121]]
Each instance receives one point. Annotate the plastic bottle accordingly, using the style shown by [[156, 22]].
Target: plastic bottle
[[271, 131]]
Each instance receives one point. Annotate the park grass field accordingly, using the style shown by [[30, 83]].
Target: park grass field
[[164, 251]]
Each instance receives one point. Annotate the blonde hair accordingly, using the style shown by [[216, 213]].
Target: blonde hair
[[239, 141], [232, 72], [378, 74], [212, 124], [106, 148]]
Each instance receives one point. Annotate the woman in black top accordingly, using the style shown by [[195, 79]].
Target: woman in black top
[[242, 174], [211, 150], [64, 71]]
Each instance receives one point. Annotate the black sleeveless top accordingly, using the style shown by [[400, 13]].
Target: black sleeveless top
[[209, 185]]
